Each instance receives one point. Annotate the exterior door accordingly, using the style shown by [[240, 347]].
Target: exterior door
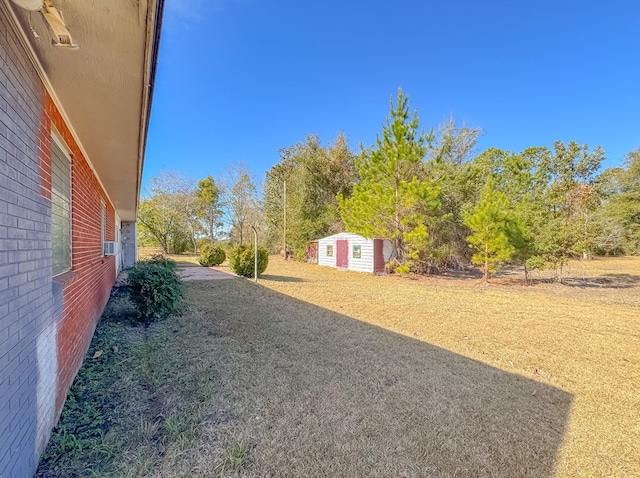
[[378, 255], [342, 253], [128, 239]]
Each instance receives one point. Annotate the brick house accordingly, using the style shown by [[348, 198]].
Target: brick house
[[73, 126]]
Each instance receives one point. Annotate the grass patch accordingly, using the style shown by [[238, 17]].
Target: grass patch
[[83, 434], [236, 457], [131, 410]]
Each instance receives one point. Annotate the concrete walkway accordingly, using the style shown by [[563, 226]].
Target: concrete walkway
[[202, 273]]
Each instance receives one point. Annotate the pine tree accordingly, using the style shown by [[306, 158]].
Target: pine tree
[[495, 229], [208, 206], [393, 200]]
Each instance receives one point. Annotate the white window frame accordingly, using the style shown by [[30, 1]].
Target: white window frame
[[56, 141], [103, 224]]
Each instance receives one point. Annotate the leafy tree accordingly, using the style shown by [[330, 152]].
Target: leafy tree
[[620, 214], [156, 220], [314, 176], [450, 165], [630, 201], [189, 208], [166, 212], [551, 195], [567, 229], [392, 199]]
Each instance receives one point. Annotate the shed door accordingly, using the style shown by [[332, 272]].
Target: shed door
[[342, 253], [378, 255]]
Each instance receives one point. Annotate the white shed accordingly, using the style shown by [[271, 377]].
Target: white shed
[[354, 252]]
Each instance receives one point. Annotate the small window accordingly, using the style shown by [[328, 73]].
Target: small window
[[60, 208], [329, 251], [103, 224], [357, 251]]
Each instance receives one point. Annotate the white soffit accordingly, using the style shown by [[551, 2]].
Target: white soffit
[[103, 87]]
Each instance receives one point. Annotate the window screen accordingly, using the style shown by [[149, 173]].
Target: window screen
[[60, 210]]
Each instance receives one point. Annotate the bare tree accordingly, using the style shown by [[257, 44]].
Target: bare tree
[[240, 202]]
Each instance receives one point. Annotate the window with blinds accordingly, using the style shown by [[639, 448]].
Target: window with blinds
[[60, 209]]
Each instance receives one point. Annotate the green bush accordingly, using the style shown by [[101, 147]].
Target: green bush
[[242, 260], [155, 289], [162, 260], [301, 255], [211, 255]]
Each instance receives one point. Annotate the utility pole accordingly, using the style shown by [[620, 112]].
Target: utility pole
[[284, 221]]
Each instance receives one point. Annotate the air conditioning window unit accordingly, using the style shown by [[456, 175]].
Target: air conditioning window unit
[[109, 248]]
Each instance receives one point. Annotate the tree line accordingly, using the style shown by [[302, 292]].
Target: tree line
[[441, 204], [179, 214]]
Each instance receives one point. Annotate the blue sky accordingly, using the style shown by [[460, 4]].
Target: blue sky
[[239, 79]]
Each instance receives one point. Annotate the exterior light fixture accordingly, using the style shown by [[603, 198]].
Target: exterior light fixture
[[32, 5], [61, 37]]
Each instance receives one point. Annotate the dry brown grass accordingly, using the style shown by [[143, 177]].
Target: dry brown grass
[[582, 338], [319, 372], [183, 260]]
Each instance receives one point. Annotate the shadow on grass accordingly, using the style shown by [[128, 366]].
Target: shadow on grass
[[606, 281], [281, 278], [180, 263], [324, 394], [312, 392]]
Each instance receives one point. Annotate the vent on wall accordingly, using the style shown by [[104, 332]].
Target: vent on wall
[[109, 248]]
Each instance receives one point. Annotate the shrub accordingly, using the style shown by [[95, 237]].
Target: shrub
[[211, 255], [162, 260], [155, 289], [242, 260]]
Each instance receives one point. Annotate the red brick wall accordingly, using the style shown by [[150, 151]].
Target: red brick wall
[[93, 274], [46, 323]]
